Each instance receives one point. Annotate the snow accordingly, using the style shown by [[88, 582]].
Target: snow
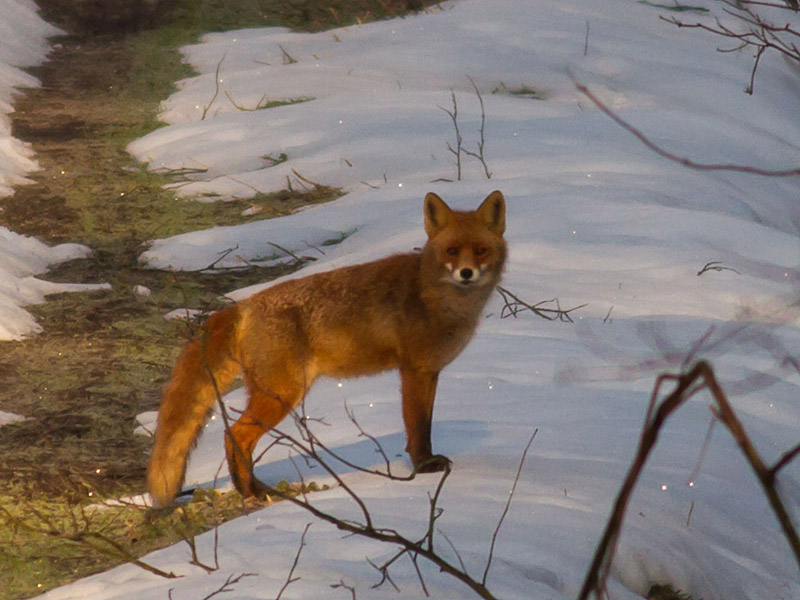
[[7, 417], [23, 43], [594, 217]]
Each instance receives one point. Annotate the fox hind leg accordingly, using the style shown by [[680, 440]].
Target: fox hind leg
[[265, 409]]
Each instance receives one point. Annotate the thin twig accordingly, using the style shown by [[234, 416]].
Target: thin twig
[[482, 131], [459, 140], [297, 259], [507, 506], [180, 171], [586, 39], [216, 88], [82, 535], [715, 265], [288, 59], [289, 578], [190, 541]]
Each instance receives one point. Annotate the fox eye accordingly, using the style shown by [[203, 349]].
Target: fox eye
[[452, 251], [480, 251]]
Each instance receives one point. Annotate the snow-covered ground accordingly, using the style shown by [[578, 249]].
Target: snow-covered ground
[[23, 43], [594, 217]]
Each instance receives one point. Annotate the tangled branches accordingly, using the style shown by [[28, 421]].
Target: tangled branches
[[753, 30], [311, 448]]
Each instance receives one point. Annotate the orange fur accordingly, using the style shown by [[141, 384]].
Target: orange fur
[[412, 312]]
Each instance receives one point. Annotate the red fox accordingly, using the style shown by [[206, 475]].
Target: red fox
[[413, 312]]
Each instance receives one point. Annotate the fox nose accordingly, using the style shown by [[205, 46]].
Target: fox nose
[[465, 274]]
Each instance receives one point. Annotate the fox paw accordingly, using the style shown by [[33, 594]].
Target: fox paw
[[254, 489], [433, 464]]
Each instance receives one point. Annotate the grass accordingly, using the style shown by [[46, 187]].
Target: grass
[[523, 91], [86, 538]]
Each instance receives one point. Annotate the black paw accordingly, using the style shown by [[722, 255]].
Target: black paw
[[433, 464]]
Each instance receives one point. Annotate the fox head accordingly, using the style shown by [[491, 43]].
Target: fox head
[[467, 246]]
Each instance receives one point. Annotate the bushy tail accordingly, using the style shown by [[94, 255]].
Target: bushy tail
[[206, 367]]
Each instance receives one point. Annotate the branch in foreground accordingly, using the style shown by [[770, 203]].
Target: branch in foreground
[[224, 588], [700, 377], [308, 445], [686, 162]]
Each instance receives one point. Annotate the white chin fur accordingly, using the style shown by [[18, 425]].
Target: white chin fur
[[475, 280]]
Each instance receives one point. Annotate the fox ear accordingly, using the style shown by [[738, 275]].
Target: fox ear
[[437, 214], [492, 212]]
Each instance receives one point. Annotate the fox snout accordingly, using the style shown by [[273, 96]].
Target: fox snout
[[465, 275], [464, 270]]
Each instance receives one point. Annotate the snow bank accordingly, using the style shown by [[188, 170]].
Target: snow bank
[[23, 43], [21, 258], [594, 217]]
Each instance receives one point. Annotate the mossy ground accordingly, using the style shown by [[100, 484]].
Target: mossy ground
[[103, 357]]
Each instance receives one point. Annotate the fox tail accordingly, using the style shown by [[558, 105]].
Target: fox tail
[[204, 370]]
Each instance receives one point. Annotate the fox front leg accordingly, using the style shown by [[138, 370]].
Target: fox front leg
[[419, 391]]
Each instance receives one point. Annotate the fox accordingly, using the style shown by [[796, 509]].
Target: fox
[[414, 312]]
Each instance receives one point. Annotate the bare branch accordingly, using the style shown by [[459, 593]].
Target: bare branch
[[513, 305], [226, 587], [686, 162], [289, 579], [343, 585]]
